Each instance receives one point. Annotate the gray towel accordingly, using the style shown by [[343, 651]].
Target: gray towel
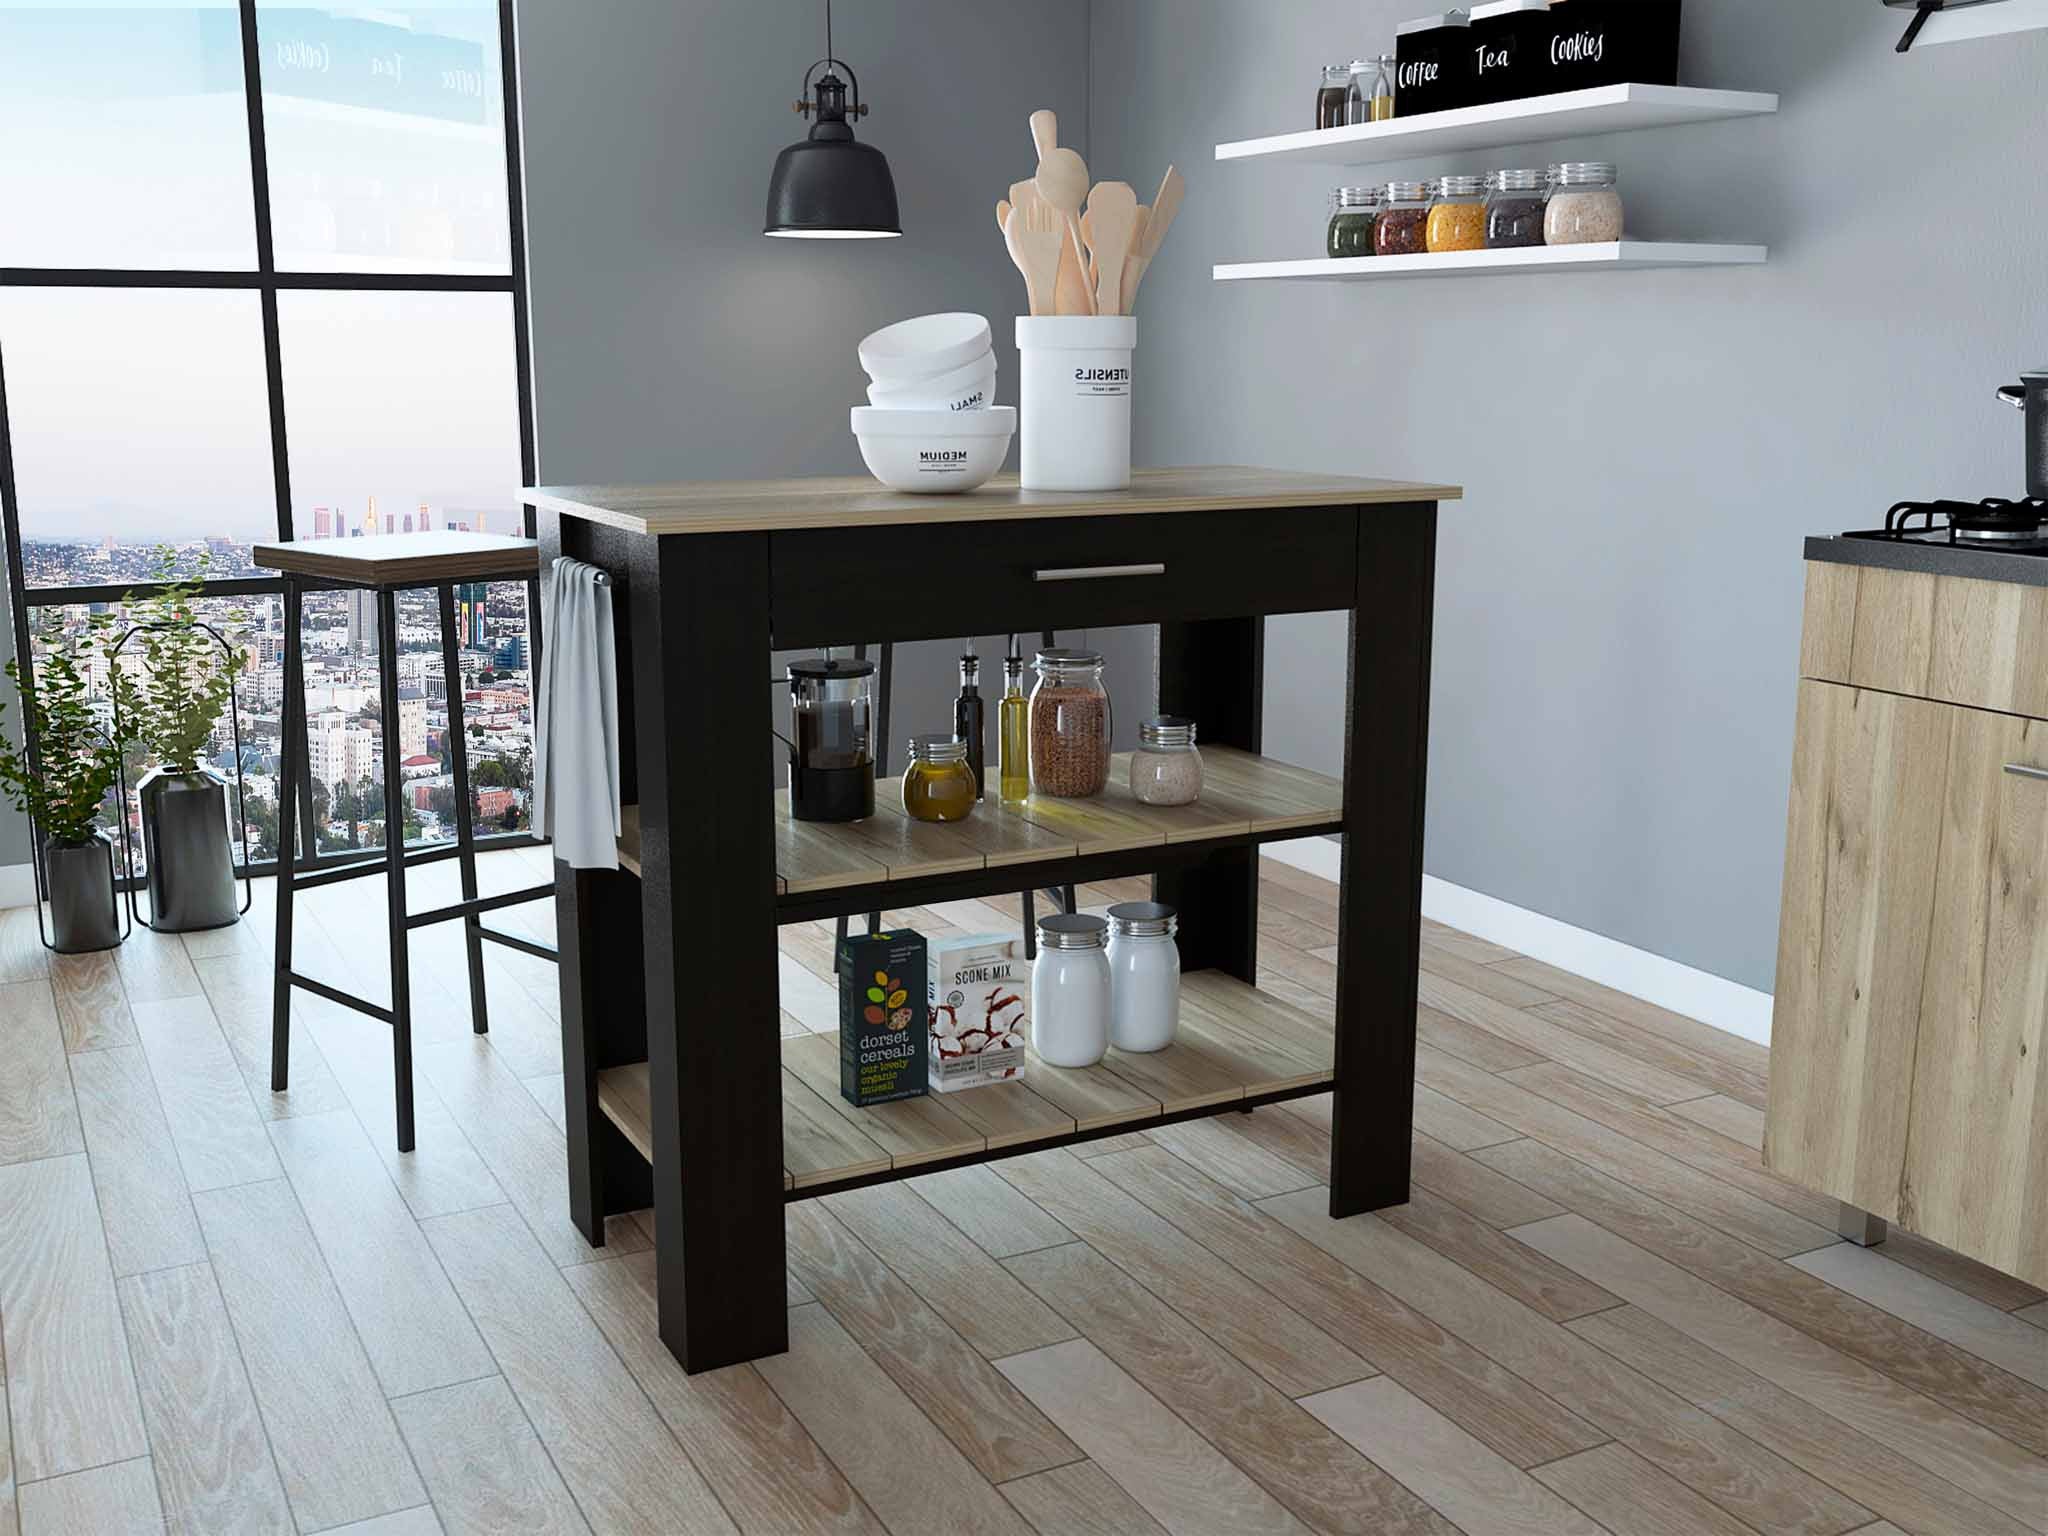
[[576, 728]]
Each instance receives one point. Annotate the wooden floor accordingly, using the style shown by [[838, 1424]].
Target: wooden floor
[[224, 1310]]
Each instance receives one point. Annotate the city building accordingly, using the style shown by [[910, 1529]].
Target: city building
[[323, 523], [339, 750], [362, 620], [470, 603], [510, 654], [412, 722]]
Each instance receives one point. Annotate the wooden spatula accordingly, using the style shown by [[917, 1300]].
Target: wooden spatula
[[1045, 131], [1036, 251], [1165, 204], [1137, 261], [1062, 181], [1002, 213], [1112, 211]]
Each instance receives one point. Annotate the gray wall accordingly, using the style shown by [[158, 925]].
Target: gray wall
[[1618, 596], [671, 341]]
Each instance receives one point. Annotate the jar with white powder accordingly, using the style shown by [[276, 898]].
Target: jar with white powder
[[1584, 206], [1144, 976], [1070, 990], [1166, 769]]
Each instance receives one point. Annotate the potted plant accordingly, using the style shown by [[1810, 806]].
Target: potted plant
[[77, 763], [170, 705]]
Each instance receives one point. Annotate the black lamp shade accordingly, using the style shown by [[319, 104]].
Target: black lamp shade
[[832, 188]]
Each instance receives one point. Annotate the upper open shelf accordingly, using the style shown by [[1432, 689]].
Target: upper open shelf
[[1567, 114], [1978, 21]]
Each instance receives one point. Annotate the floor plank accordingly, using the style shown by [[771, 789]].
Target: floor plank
[[1079, 1499], [1990, 1286], [1181, 1480], [1456, 1126], [1630, 1497], [1645, 1016], [1653, 1050], [766, 1470], [8, 1525], [997, 1219], [143, 1203], [70, 1391], [1286, 1452], [337, 1448], [92, 1008], [1726, 1117], [1474, 1187], [1986, 1332], [212, 1455], [1455, 1473], [483, 1464], [1468, 1042], [995, 1429], [215, 1126], [37, 1115], [909, 1473], [1509, 1266], [117, 1500], [608, 1443], [1239, 1164], [415, 1332]]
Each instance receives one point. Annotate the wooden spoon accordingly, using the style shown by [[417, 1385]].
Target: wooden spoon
[[1113, 211], [1062, 181], [1137, 261], [1045, 132], [1165, 204], [1002, 213], [1036, 253]]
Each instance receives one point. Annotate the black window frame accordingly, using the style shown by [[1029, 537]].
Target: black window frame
[[267, 282]]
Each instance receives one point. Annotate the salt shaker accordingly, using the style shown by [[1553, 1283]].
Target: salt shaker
[[1070, 990], [1144, 976]]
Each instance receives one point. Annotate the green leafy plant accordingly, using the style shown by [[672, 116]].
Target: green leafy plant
[[171, 707], [79, 760]]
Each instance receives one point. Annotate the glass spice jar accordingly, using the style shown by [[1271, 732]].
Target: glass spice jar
[[938, 785], [1457, 218], [1584, 207], [1333, 95], [1167, 767], [1070, 725], [1402, 227], [1352, 210], [1358, 93], [1514, 210], [1380, 108]]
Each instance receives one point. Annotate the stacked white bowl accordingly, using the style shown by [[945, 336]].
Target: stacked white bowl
[[930, 424]]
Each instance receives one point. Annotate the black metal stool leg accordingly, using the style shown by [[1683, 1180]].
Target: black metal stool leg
[[1030, 926], [394, 866], [292, 750], [465, 828]]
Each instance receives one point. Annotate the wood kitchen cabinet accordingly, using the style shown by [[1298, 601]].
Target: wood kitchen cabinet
[[1912, 988]]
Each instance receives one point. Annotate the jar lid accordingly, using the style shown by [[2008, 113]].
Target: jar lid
[[937, 747], [1407, 191], [1351, 197], [1061, 658], [1166, 731], [1360, 66], [1519, 181], [1072, 930], [1585, 173], [830, 666], [1460, 186], [1143, 920]]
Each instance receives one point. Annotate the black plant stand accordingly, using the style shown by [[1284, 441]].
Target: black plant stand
[[385, 564]]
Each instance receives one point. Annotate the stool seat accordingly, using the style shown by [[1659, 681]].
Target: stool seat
[[405, 559]]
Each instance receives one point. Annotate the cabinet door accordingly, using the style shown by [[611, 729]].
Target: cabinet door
[[1977, 1152], [1868, 772]]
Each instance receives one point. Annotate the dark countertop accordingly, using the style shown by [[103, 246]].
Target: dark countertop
[[1935, 559]]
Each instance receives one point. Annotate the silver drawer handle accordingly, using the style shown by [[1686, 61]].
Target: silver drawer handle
[[1099, 572], [2024, 771]]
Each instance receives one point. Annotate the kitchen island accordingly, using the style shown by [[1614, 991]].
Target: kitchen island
[[680, 1093]]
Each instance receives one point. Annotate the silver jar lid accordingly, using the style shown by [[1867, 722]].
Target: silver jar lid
[[1143, 920], [1585, 173], [1063, 658], [1407, 191], [1166, 731], [1519, 180], [1461, 186], [937, 747], [1072, 930]]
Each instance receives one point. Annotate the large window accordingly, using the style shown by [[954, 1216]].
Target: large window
[[259, 279]]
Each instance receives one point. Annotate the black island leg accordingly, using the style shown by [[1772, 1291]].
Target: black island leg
[[394, 865], [465, 816], [1379, 909], [292, 752], [702, 716]]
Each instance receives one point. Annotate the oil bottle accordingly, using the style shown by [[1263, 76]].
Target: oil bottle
[[1013, 731], [968, 725]]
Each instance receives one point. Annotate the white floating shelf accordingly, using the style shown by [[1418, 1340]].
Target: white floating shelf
[[1611, 256], [1977, 21], [1567, 114]]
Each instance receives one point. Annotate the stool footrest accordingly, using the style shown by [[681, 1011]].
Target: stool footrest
[[514, 941], [476, 905], [336, 995]]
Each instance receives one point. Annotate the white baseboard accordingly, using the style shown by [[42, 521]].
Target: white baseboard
[[1669, 984], [17, 885]]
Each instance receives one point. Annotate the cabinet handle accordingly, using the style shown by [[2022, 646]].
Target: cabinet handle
[[2025, 771], [1099, 572]]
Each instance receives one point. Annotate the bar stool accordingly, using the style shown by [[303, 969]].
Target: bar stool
[[385, 565]]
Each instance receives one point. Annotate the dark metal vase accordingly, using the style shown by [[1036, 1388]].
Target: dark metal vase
[[83, 916], [185, 843]]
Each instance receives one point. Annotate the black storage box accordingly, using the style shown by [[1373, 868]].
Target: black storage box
[[1510, 43], [1432, 64], [882, 1034], [1609, 42]]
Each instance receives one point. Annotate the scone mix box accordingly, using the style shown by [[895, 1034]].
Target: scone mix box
[[881, 1017], [979, 991]]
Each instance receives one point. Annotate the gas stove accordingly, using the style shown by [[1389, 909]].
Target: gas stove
[[1994, 524]]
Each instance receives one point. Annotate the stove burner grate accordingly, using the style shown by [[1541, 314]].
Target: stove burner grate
[[1994, 523]]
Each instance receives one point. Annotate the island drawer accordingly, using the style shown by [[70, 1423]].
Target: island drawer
[[845, 585]]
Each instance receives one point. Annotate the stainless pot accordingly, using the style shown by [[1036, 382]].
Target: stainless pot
[[2031, 395], [185, 840], [83, 916]]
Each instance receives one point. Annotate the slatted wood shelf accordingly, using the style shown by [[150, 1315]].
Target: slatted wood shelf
[[1235, 1043], [1243, 795]]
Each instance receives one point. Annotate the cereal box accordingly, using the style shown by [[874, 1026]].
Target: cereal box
[[881, 1017]]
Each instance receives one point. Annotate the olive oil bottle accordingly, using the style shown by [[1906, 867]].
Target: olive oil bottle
[[1013, 731]]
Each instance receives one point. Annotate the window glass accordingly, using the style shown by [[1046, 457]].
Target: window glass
[[140, 417], [385, 135], [124, 137]]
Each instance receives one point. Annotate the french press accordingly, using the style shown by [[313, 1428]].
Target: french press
[[831, 755]]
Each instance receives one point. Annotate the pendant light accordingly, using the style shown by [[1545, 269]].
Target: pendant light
[[828, 187]]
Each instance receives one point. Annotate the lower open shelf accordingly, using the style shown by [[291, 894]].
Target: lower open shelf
[[1235, 1044]]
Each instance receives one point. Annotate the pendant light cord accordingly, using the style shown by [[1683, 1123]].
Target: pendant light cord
[[828, 28]]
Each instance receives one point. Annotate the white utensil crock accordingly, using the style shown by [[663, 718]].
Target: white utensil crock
[[1074, 394]]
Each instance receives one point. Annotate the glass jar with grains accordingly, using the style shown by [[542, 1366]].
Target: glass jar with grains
[[938, 785], [1402, 227], [1457, 219], [1584, 205], [1514, 210], [1351, 214], [1167, 767], [1070, 725]]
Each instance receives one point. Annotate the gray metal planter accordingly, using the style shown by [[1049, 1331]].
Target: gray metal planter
[[185, 844], [83, 916]]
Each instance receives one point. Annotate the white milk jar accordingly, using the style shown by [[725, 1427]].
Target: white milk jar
[[1070, 990], [1144, 976]]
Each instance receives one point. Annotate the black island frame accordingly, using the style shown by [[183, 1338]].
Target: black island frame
[[679, 968]]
